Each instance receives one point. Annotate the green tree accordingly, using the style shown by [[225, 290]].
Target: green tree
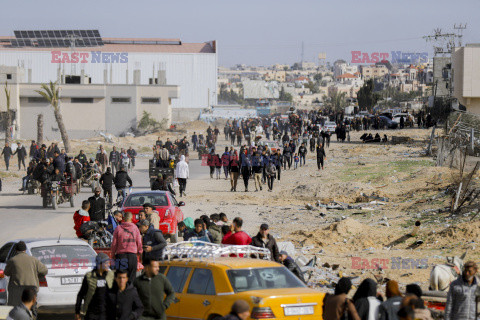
[[318, 77], [366, 97], [337, 100], [285, 96], [312, 86], [51, 93]]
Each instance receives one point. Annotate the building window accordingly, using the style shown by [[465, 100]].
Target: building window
[[9, 76], [121, 100], [37, 100], [150, 100], [82, 100]]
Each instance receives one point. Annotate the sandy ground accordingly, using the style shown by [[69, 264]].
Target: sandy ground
[[404, 185]]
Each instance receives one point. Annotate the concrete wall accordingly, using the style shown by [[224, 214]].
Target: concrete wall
[[466, 77], [185, 114], [439, 63], [120, 116]]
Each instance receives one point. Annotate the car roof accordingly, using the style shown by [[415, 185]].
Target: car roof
[[225, 262], [38, 242], [149, 192]]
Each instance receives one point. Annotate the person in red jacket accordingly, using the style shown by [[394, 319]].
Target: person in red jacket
[[236, 236], [80, 217], [126, 245]]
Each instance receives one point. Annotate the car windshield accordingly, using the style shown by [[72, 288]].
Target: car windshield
[[138, 200], [65, 256], [263, 278]]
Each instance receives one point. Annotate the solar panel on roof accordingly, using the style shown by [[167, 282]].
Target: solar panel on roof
[[57, 38]]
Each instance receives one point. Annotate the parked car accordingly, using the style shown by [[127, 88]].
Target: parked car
[[67, 260], [207, 288], [388, 123], [329, 126], [164, 202], [406, 116]]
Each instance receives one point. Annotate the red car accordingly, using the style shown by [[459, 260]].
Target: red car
[[164, 202]]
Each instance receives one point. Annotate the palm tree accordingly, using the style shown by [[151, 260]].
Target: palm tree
[[9, 116], [52, 95]]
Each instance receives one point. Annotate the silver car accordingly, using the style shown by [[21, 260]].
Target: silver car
[[67, 260]]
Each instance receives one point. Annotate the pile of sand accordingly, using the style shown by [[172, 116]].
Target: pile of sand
[[344, 236], [466, 232]]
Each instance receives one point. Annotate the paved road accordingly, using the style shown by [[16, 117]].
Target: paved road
[[22, 216]]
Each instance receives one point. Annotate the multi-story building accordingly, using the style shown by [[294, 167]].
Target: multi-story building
[[466, 76]]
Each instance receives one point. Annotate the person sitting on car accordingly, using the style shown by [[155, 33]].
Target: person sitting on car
[[80, 217]]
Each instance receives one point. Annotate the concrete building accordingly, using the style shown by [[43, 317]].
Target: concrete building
[[373, 71], [86, 108], [342, 68], [124, 61], [466, 76]]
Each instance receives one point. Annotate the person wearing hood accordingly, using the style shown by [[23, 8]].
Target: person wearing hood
[[94, 289], [80, 217], [365, 300], [198, 234], [389, 309], [126, 244], [337, 306], [182, 174], [122, 301]]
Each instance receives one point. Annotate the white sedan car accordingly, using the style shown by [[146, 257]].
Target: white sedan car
[[67, 262]]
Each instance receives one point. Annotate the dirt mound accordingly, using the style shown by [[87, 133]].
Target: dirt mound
[[464, 232], [344, 236], [327, 192]]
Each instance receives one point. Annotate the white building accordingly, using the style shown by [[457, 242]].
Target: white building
[[192, 66]]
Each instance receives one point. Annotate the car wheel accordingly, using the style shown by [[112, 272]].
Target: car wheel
[[54, 203]]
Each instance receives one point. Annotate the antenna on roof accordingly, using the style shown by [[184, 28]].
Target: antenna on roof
[[58, 241]]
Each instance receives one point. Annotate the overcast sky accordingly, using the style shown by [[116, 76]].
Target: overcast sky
[[258, 32]]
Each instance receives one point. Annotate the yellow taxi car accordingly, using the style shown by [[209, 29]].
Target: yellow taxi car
[[207, 288]]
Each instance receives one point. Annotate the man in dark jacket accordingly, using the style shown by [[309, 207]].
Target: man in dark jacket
[[132, 154], [120, 181], [153, 241], [33, 149], [302, 152], [97, 206], [41, 154], [291, 265], [94, 288], [240, 311], [114, 159], [122, 301], [21, 153], [152, 286], [7, 154], [59, 162], [265, 240], [26, 309], [106, 181]]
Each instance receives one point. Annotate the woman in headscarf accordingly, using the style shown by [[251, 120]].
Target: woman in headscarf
[[335, 306], [365, 300], [389, 309]]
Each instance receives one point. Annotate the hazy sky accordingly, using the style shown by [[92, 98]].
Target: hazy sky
[[257, 32]]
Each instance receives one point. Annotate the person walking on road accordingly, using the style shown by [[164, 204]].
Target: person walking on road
[[114, 160], [155, 291], [21, 153], [265, 240], [126, 244], [94, 290], [462, 295], [23, 271], [271, 174], [26, 309], [132, 154], [97, 206], [153, 241], [122, 301], [7, 154], [102, 158], [234, 168], [106, 181], [182, 174], [246, 168], [321, 156]]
